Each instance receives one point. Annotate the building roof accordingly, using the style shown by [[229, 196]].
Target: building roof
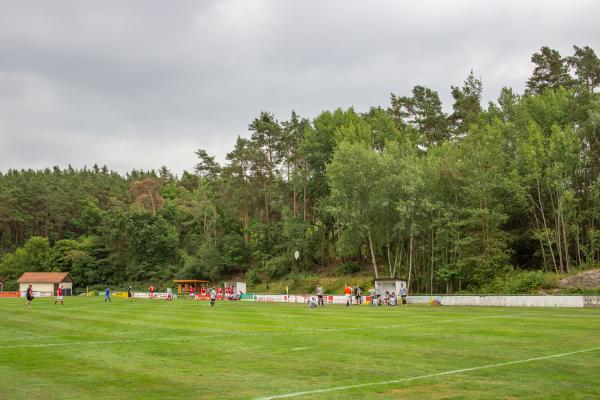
[[45, 277], [388, 279], [188, 280]]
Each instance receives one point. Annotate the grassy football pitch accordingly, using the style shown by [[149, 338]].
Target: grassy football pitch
[[185, 350]]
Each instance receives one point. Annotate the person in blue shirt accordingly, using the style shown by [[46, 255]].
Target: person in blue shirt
[[107, 295]]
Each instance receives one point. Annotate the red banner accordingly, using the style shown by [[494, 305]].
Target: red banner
[[10, 294]]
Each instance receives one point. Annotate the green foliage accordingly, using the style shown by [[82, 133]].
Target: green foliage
[[253, 277], [61, 256], [32, 257], [277, 266], [551, 71], [448, 202], [347, 269], [520, 282]]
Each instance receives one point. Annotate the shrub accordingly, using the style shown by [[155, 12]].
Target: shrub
[[347, 269], [277, 267], [253, 276], [525, 282]]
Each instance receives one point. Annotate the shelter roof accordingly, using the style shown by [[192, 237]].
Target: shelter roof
[[188, 281], [45, 277], [388, 279]]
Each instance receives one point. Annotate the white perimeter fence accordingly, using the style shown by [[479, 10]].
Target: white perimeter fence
[[483, 300]]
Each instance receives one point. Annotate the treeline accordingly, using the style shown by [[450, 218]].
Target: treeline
[[449, 201]]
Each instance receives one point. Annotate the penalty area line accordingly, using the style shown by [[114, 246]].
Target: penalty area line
[[414, 378]]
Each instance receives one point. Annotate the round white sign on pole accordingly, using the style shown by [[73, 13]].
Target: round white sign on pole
[[296, 254]]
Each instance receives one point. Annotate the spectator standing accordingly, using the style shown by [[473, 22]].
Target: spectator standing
[[358, 295], [403, 295], [320, 295], [348, 294], [373, 298]]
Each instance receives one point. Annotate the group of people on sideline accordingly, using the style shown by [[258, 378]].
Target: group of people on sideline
[[353, 295]]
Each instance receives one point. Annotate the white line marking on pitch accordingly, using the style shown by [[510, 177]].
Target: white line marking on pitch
[[414, 378], [301, 348]]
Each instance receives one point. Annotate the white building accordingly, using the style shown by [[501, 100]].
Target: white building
[[46, 283], [236, 287], [390, 285]]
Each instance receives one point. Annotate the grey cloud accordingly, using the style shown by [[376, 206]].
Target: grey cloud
[[141, 84]]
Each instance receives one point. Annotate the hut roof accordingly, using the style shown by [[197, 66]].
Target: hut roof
[[45, 277]]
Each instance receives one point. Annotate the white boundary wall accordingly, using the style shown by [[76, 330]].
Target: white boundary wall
[[489, 301], [510, 301], [292, 298], [514, 301]]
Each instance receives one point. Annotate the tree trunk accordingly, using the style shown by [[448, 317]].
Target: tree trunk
[[389, 256], [373, 254], [559, 246], [432, 248], [294, 202], [578, 246], [410, 261], [541, 208], [152, 203], [304, 202], [267, 205], [537, 224], [564, 233]]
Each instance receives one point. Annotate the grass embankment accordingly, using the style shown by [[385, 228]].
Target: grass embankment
[[186, 350], [514, 282], [301, 284]]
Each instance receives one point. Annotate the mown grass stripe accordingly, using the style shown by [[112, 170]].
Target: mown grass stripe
[[434, 375]]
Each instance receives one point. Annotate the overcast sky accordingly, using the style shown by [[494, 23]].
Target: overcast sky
[[141, 84]]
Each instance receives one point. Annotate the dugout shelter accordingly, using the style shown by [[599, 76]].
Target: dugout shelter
[[183, 285]]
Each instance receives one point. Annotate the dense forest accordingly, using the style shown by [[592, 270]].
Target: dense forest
[[448, 199]]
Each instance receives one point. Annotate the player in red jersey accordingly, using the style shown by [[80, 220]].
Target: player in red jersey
[[59, 296], [151, 290], [203, 292], [192, 292], [219, 293]]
